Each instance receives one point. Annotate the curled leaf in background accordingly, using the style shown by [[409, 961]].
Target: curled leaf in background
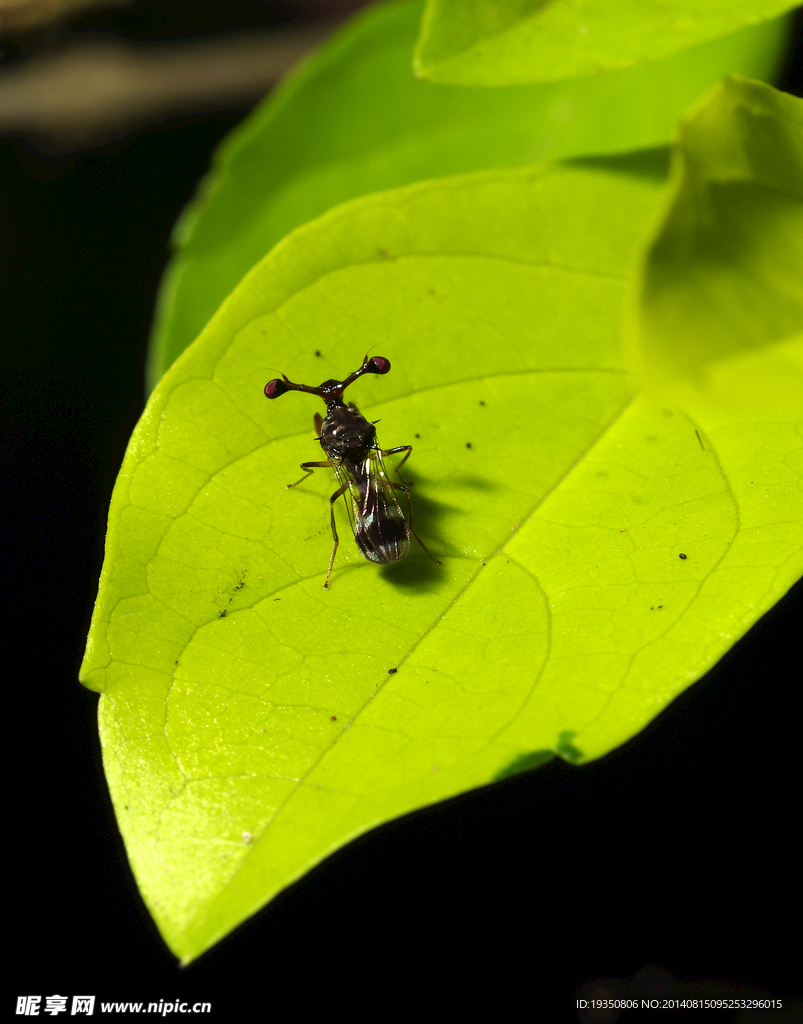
[[720, 310]]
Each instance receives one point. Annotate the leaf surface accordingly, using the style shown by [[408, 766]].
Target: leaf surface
[[514, 42], [353, 120], [251, 722]]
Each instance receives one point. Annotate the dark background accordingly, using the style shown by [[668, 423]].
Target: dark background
[[672, 857]]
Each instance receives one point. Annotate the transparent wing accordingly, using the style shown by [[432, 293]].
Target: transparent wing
[[379, 526]]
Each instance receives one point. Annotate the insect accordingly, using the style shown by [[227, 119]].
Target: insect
[[349, 442]]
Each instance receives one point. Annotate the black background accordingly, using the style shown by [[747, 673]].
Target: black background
[[676, 851]]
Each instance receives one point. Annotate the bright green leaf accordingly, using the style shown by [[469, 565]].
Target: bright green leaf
[[720, 294], [250, 721], [514, 42], [354, 120]]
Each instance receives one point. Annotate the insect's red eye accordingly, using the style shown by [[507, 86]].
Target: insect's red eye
[[378, 364], [274, 388]]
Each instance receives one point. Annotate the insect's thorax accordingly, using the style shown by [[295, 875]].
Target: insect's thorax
[[346, 435]]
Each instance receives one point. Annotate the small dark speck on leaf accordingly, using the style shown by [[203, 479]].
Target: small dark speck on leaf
[[468, 444], [681, 555], [277, 599], [222, 615], [318, 352], [333, 718], [481, 402], [418, 435], [392, 671]]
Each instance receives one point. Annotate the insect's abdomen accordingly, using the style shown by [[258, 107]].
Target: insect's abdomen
[[385, 539]]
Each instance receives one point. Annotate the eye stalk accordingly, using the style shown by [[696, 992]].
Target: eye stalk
[[331, 391]]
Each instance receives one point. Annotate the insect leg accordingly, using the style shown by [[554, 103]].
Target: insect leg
[[395, 451], [332, 500], [401, 487], [309, 466]]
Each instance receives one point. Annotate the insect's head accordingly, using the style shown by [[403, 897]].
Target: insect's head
[[331, 391]]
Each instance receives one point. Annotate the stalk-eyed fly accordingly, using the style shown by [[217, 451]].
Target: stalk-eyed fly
[[349, 442]]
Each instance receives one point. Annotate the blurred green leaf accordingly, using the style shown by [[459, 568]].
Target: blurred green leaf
[[515, 42], [250, 720], [719, 312], [353, 120]]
